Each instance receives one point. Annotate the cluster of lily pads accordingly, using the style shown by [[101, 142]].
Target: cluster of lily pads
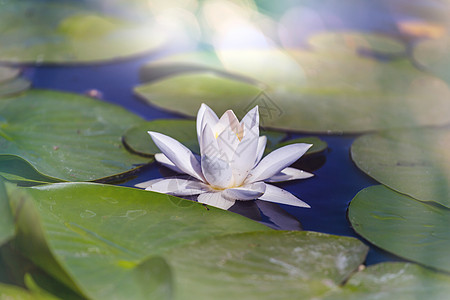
[[65, 234]]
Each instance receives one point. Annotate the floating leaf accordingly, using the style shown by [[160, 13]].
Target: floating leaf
[[100, 240], [71, 31], [332, 41], [400, 281], [13, 266], [264, 265], [40, 282], [11, 292], [319, 92], [67, 136], [180, 63], [433, 54], [19, 271], [17, 170], [7, 73], [14, 86], [211, 88], [414, 162], [318, 145], [402, 225], [245, 65], [184, 131], [274, 139], [7, 228]]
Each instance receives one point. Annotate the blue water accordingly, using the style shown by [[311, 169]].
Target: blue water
[[329, 192]]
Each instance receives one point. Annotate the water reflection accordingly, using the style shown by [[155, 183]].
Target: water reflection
[[267, 213]]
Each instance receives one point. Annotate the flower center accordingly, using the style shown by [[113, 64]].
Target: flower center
[[239, 135]]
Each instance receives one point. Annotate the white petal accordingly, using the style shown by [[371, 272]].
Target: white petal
[[251, 119], [178, 154], [211, 116], [227, 120], [162, 159], [228, 142], [214, 164], [208, 143], [215, 199], [276, 161], [247, 192], [175, 186], [262, 141], [217, 171], [289, 174], [277, 195], [245, 155]]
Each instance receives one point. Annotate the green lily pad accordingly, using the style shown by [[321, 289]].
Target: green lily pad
[[209, 87], [264, 265], [402, 281], [17, 170], [356, 41], [14, 86], [402, 225], [434, 56], [72, 31], [319, 92], [318, 145], [101, 240], [7, 73], [184, 131], [414, 162], [66, 136], [138, 140], [7, 227], [274, 139], [16, 270], [245, 65], [11, 292], [180, 63]]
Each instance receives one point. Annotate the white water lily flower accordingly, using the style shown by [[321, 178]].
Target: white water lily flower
[[230, 166]]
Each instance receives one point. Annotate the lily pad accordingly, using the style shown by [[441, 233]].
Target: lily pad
[[14, 86], [138, 140], [101, 240], [402, 281], [184, 131], [402, 225], [17, 170], [264, 265], [7, 73], [332, 41], [433, 55], [71, 31], [66, 136], [319, 92], [12, 292], [245, 65], [20, 272], [180, 63], [414, 162], [318, 145], [7, 228]]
